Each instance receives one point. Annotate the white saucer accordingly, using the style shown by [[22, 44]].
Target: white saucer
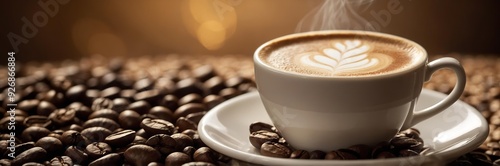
[[452, 133]]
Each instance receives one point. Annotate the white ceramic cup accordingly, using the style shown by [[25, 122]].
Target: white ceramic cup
[[328, 113]]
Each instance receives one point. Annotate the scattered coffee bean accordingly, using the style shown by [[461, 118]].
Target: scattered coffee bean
[[141, 155], [129, 119], [205, 154], [121, 138], [300, 154], [77, 156], [177, 159], [108, 159], [274, 149], [157, 126], [35, 154], [61, 160], [260, 137], [163, 143], [96, 150]]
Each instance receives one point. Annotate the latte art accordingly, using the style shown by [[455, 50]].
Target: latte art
[[344, 57], [340, 54]]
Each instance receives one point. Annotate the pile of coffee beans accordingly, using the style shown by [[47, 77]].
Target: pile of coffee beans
[[269, 141], [99, 111], [94, 107]]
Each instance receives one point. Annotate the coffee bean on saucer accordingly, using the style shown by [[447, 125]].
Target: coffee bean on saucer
[[205, 154], [361, 150], [260, 137], [61, 160], [256, 126], [407, 153], [96, 150], [198, 163], [274, 149], [384, 155], [333, 155], [177, 158], [121, 138], [317, 154], [162, 143], [141, 155], [300, 154], [157, 126], [109, 159], [404, 142]]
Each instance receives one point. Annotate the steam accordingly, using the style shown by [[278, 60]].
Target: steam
[[336, 15]]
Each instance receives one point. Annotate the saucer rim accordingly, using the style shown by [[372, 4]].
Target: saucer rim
[[446, 156]]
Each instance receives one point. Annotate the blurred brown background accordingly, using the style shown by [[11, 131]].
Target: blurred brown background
[[59, 29]]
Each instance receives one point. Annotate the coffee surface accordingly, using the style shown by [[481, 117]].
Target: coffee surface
[[340, 55]]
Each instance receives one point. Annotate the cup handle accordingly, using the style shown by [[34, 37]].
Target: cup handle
[[455, 94]]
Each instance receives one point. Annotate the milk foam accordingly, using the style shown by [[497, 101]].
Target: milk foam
[[344, 57]]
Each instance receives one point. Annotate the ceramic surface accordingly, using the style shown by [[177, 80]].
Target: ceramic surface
[[457, 130]]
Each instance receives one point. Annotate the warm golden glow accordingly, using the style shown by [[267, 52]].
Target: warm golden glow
[[106, 44], [210, 21]]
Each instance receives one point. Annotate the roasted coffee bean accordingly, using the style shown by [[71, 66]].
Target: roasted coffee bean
[[128, 94], [362, 151], [185, 124], [77, 156], [235, 81], [35, 154], [143, 84], [120, 104], [196, 117], [129, 119], [157, 126], [50, 144], [228, 93], [407, 153], [140, 107], [189, 108], [477, 158], [214, 85], [28, 105], [44, 108], [96, 150], [72, 137], [165, 144], [81, 111], [256, 126], [4, 122], [187, 86], [197, 141], [274, 149], [205, 154], [143, 133], [182, 140], [204, 72], [76, 93], [190, 132], [96, 134], [380, 147], [212, 100], [105, 113], [108, 159], [198, 163], [164, 85], [34, 133], [63, 116], [141, 155], [190, 98], [177, 159], [32, 164], [121, 138], [101, 122], [300, 154], [333, 155], [404, 142], [53, 97], [139, 140], [111, 93], [260, 137], [61, 160], [170, 102], [150, 96], [24, 146], [384, 155], [37, 120], [162, 113], [101, 103], [189, 150]]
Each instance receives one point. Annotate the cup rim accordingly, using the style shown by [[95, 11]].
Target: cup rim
[[419, 62]]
